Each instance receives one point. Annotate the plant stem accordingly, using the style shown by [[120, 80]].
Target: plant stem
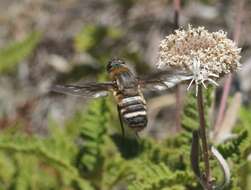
[[176, 5], [227, 85], [223, 104], [178, 108], [203, 137]]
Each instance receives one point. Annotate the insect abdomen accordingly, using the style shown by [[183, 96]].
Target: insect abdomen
[[133, 112]]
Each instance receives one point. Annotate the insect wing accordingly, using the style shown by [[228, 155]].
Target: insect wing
[[163, 80], [89, 90], [152, 84]]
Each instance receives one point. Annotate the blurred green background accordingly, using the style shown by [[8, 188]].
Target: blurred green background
[[50, 141]]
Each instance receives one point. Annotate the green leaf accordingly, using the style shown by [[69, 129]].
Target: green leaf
[[89, 37], [11, 55], [93, 129], [92, 37]]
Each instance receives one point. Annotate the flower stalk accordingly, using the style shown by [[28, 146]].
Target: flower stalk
[[204, 57], [203, 137], [228, 82], [176, 5]]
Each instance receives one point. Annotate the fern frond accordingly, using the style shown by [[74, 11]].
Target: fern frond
[[232, 148], [190, 118], [42, 148], [236, 151], [93, 131], [56, 150], [150, 176], [116, 170], [158, 165], [7, 170]]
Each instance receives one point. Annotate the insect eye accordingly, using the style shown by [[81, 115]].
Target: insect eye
[[109, 65], [114, 63]]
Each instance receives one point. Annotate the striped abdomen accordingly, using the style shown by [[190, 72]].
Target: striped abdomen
[[133, 112]]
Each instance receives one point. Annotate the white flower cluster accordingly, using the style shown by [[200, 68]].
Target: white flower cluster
[[205, 55]]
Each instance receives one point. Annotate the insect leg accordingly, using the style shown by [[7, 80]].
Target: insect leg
[[121, 122]]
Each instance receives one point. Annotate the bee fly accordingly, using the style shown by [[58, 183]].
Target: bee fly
[[127, 90]]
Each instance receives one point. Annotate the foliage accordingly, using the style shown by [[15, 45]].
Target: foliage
[[92, 132], [94, 160], [190, 115], [11, 55], [87, 154], [237, 150], [92, 36], [35, 159]]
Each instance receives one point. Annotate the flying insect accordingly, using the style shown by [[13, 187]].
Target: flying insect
[[127, 89]]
